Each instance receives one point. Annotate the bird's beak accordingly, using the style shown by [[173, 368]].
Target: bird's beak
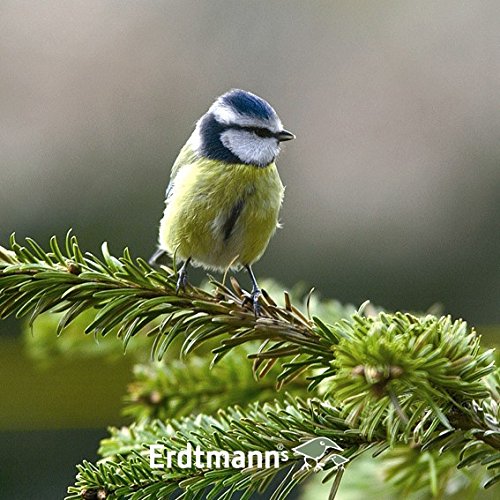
[[284, 135], [335, 446]]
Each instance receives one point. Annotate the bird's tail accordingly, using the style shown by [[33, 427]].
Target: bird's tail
[[153, 260]]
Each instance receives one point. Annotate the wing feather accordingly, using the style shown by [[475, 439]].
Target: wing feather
[[185, 157]]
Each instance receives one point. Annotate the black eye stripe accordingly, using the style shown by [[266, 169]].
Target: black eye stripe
[[263, 132], [259, 131]]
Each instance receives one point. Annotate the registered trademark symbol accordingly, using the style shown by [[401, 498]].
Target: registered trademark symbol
[[280, 446]]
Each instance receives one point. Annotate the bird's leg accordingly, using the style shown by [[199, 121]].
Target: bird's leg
[[182, 277], [255, 293]]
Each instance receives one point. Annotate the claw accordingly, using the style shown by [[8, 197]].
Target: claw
[[253, 298], [181, 281], [182, 278], [254, 294]]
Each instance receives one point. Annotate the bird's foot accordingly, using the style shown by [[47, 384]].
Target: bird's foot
[[182, 280], [255, 294], [253, 298], [255, 301], [306, 466], [318, 466], [182, 277]]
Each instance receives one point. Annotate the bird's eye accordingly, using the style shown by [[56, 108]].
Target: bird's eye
[[322, 443], [262, 132]]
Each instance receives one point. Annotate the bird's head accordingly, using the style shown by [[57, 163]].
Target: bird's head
[[240, 127], [316, 447], [328, 443]]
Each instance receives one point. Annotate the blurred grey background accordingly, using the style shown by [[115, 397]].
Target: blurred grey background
[[393, 183]]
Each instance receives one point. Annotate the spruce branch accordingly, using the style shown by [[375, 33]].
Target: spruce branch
[[125, 469], [430, 473], [131, 296], [375, 378], [182, 387], [398, 370]]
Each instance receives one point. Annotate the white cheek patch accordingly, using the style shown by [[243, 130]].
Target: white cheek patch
[[250, 148]]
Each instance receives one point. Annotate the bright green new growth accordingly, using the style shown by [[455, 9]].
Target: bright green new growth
[[365, 379]]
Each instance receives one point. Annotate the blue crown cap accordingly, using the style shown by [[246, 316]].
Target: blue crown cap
[[248, 104]]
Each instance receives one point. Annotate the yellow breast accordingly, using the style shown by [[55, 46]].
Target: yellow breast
[[203, 202]]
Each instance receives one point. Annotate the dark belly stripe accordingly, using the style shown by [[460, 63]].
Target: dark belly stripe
[[230, 222]]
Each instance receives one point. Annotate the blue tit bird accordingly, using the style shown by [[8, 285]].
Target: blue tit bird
[[225, 193], [315, 449]]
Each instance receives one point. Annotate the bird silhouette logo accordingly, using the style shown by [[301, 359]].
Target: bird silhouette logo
[[315, 449]]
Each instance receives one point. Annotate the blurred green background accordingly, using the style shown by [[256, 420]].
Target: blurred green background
[[393, 183]]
